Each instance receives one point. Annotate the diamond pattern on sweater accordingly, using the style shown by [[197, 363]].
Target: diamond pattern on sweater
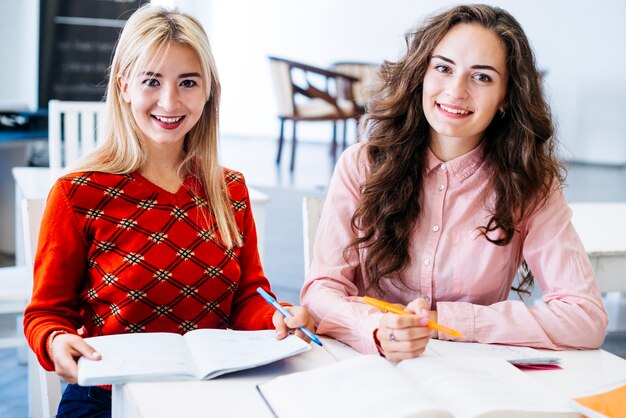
[[154, 262]]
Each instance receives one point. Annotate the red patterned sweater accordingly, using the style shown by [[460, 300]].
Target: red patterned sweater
[[119, 254]]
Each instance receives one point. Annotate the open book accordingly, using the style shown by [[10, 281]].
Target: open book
[[197, 355], [370, 386]]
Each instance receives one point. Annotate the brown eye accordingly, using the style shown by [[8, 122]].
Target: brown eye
[[482, 77]]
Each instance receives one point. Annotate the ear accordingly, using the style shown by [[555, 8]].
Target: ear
[[122, 83]]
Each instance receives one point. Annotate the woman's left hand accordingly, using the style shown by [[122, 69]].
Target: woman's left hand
[[300, 318]]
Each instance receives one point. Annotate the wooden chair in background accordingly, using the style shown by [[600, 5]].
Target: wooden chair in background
[[360, 91], [300, 98]]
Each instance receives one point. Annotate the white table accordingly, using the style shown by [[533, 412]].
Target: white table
[[602, 229], [35, 183], [236, 396]]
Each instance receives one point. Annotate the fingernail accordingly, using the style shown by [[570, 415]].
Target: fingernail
[[96, 354], [424, 312]]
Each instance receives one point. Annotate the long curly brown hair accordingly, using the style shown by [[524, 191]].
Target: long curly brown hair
[[520, 148]]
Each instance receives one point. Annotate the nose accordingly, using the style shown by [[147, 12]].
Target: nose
[[457, 87], [169, 98]]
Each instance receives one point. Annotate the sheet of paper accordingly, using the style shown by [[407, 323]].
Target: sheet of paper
[[363, 386], [510, 353], [146, 355]]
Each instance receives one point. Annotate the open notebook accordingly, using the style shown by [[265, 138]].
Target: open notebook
[[197, 355]]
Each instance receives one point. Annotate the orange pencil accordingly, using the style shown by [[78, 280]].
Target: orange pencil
[[385, 306]]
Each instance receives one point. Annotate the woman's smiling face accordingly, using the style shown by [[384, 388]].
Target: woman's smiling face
[[464, 86], [167, 100]]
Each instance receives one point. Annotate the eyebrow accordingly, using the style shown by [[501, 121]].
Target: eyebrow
[[477, 66], [183, 75]]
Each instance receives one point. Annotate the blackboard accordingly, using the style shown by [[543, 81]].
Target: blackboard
[[76, 42]]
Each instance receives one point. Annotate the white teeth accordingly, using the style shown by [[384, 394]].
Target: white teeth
[[168, 120], [456, 111]]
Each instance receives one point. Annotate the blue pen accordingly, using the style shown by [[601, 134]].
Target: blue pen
[[287, 314]]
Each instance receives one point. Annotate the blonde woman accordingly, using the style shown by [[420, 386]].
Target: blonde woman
[[149, 233]]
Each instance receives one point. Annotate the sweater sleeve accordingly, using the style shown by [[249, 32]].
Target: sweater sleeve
[[249, 309], [59, 272]]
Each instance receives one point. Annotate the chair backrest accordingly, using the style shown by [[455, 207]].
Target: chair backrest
[[311, 213], [309, 92], [283, 90], [74, 128], [366, 72], [48, 393]]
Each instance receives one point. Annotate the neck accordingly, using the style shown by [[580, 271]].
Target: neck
[[448, 148], [161, 167]]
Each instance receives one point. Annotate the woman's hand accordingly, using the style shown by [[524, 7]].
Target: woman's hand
[[300, 318], [404, 336], [65, 349]]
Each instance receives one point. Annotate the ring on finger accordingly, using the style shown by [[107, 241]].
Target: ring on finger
[[391, 336]]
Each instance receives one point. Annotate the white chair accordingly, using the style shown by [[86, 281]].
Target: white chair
[[15, 290], [44, 388], [74, 128], [311, 213]]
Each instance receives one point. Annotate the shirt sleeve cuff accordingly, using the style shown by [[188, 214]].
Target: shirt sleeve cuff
[[459, 316]]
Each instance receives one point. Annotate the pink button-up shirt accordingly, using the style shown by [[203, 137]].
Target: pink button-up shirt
[[464, 277]]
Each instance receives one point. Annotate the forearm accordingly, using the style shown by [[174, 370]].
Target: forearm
[[350, 322], [565, 323]]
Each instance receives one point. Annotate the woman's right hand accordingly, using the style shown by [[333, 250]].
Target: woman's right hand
[[65, 349], [401, 337]]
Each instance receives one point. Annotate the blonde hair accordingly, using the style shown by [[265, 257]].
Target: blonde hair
[[153, 29]]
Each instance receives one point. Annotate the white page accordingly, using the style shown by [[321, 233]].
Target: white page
[[507, 352], [218, 351], [363, 386], [471, 386], [144, 356]]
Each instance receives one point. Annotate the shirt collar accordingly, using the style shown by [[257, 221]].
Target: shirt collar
[[463, 166]]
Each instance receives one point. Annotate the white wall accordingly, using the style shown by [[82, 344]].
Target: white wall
[[19, 31], [580, 43]]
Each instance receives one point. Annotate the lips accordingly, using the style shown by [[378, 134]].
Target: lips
[[168, 122]]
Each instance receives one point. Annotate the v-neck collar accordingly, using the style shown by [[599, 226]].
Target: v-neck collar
[[161, 191]]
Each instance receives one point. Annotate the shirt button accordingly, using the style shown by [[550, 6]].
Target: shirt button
[[427, 261], [436, 228], [441, 187], [443, 166]]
